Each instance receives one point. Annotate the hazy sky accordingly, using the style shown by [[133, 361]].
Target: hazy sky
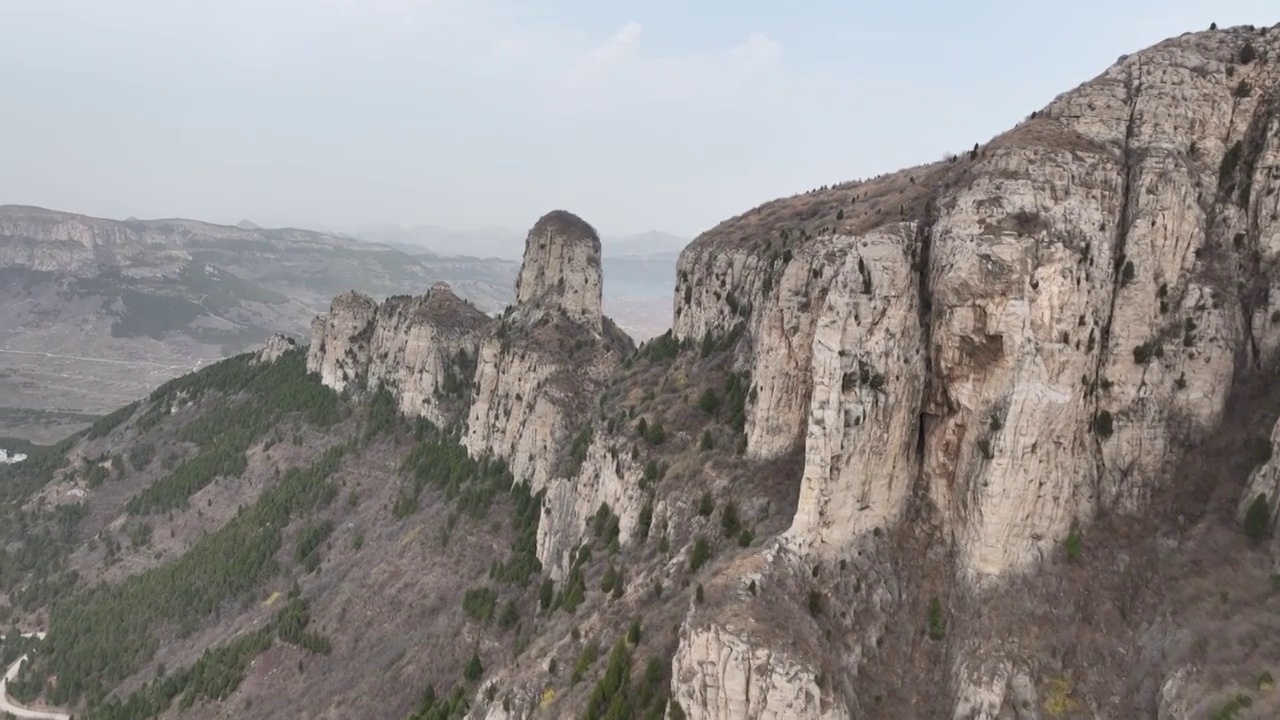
[[466, 113]]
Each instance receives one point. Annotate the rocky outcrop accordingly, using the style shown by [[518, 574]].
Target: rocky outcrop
[[861, 454], [548, 357], [720, 674], [339, 350], [608, 476], [561, 268], [1076, 299], [275, 346], [423, 350]]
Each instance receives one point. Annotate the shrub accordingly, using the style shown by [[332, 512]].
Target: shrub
[[706, 505], [937, 624], [1247, 54], [644, 521], [1127, 273], [1243, 89], [698, 595], [586, 659], [706, 443], [1073, 544], [1144, 353], [656, 435], [709, 403], [746, 537], [547, 593], [479, 603], [699, 555], [1103, 425], [729, 521], [815, 603], [633, 633], [1230, 160], [1257, 519], [474, 669], [510, 615]]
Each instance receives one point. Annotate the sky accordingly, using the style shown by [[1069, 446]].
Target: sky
[[343, 114]]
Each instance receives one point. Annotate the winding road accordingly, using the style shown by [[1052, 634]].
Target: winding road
[[7, 705]]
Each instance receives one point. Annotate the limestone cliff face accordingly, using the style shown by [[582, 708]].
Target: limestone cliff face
[[548, 357], [1021, 337], [423, 350], [339, 350], [608, 475], [1075, 284], [562, 268], [723, 674], [861, 455]]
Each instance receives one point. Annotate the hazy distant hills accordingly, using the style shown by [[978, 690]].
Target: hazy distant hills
[[505, 243], [94, 312]]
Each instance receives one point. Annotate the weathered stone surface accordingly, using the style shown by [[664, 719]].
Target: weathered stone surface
[[339, 350], [549, 355], [423, 350], [275, 346], [720, 673], [608, 475], [861, 456], [1084, 289], [561, 268]]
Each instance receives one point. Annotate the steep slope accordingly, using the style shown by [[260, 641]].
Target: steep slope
[[1079, 299]]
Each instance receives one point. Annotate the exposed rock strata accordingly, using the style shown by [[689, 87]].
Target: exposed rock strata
[[423, 350], [1067, 308], [275, 346], [549, 356]]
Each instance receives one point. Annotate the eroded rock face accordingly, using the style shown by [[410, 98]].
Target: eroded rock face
[[275, 346], [561, 268], [339, 349], [547, 359], [861, 454], [719, 673], [1056, 319], [423, 350], [608, 475], [1080, 315]]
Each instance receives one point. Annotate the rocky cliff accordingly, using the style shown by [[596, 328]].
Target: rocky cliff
[[549, 356], [992, 438], [1023, 337], [423, 350]]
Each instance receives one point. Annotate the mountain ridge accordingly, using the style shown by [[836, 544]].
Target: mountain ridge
[[988, 438]]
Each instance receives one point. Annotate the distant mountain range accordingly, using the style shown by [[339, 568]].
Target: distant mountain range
[[95, 312], [504, 243]]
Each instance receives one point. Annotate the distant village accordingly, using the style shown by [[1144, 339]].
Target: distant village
[[7, 459]]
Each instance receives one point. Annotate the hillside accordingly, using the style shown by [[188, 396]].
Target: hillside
[[991, 438]]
